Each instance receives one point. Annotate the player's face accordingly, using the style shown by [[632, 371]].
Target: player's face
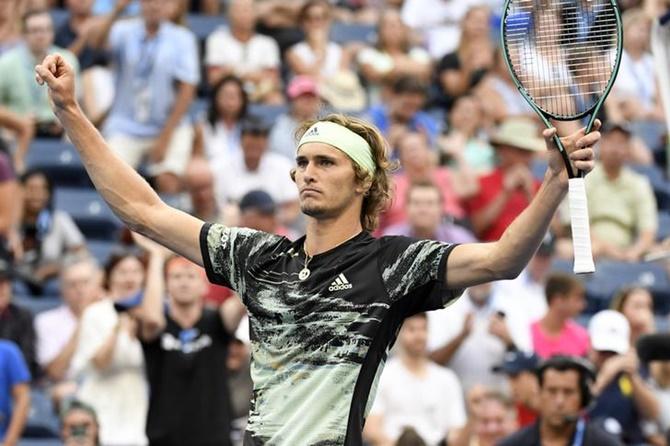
[[559, 396], [326, 181], [185, 283], [413, 336]]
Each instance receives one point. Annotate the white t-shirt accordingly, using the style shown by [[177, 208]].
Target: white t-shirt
[[478, 353], [432, 404], [233, 180], [331, 63], [119, 394], [222, 49], [220, 141], [636, 79], [54, 328], [63, 235]]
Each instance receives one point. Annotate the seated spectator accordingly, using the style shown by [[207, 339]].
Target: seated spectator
[[460, 71], [16, 323], [47, 234], [411, 393], [634, 96], [465, 140], [9, 207], [239, 50], [419, 165], [17, 86], [108, 358], [637, 305], [220, 132], [493, 420], [79, 425], [564, 395], [240, 385], [58, 330], [506, 191], [401, 112], [660, 384], [425, 218], [156, 66], [556, 333], [392, 56], [14, 393], [258, 211], [10, 26], [199, 185], [519, 368], [256, 168], [623, 397], [23, 129], [470, 337], [316, 56], [622, 207], [304, 105]]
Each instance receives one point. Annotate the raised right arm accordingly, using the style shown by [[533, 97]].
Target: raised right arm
[[126, 192]]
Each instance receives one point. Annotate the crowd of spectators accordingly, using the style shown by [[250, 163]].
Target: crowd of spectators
[[130, 345]]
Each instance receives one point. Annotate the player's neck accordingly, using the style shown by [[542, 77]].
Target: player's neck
[[325, 234]]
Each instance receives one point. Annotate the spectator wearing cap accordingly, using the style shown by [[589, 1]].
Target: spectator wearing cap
[[14, 393], [79, 425], [256, 168], [239, 50], [557, 333], [622, 207], [508, 189], [519, 368], [258, 211], [304, 105], [16, 322], [623, 397]]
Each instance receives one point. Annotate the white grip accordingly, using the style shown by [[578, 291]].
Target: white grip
[[579, 218]]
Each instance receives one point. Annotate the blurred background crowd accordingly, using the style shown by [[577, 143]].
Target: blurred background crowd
[[203, 97]]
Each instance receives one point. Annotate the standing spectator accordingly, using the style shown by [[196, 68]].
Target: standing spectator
[[401, 112], [17, 88], [156, 70], [47, 234], [506, 191], [624, 225], [316, 56], [637, 305], [471, 337], [425, 218], [10, 29], [564, 394], [412, 393], [519, 368], [304, 105], [108, 361], [16, 323], [79, 425], [14, 393], [493, 420], [623, 398], [557, 333], [241, 51]]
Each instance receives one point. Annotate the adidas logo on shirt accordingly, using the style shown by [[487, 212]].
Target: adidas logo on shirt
[[339, 284], [313, 132]]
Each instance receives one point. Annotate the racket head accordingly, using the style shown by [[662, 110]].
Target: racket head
[[563, 55]]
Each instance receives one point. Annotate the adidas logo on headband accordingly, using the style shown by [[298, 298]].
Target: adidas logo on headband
[[313, 132]]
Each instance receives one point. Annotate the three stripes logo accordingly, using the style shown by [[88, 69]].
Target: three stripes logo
[[340, 283], [313, 132]]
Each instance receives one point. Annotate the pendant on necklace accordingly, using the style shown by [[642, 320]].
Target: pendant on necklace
[[304, 273]]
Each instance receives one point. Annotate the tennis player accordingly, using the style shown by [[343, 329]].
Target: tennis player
[[324, 309]]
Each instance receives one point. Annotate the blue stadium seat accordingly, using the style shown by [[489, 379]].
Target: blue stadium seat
[[353, 32], [40, 442], [59, 16], [659, 184], [60, 161], [37, 304], [203, 25], [42, 422], [95, 219], [268, 113], [663, 225], [101, 249]]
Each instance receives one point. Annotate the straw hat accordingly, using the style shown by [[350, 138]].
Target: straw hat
[[520, 133], [343, 92]]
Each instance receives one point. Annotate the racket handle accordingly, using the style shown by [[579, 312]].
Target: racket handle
[[579, 219]]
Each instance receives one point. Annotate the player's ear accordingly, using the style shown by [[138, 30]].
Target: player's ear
[[292, 174]]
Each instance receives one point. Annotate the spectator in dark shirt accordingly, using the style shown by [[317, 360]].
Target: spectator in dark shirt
[[519, 367]]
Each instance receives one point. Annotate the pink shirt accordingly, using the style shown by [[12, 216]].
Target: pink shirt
[[573, 340]]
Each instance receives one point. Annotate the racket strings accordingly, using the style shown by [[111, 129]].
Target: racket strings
[[563, 53]]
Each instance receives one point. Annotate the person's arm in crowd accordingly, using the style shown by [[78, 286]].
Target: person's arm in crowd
[[24, 129], [472, 264], [104, 355], [58, 367], [126, 192], [98, 35], [151, 314], [374, 431], [185, 94], [232, 311], [217, 72], [444, 354], [20, 409]]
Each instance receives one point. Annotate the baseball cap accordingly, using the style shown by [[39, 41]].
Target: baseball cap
[[609, 332], [517, 362], [259, 200], [301, 85]]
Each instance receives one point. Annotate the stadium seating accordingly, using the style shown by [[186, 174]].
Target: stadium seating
[[659, 184], [60, 161], [352, 32], [42, 423], [663, 225], [203, 25], [37, 304], [95, 219]]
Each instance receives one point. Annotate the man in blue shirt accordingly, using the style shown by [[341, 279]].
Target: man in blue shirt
[[156, 73], [14, 393]]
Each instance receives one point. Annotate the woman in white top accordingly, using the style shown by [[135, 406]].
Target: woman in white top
[[316, 56], [109, 360]]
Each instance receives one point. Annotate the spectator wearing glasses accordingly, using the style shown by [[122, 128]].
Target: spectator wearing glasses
[[79, 425]]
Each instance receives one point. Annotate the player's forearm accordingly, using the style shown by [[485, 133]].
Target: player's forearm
[[20, 409], [126, 192]]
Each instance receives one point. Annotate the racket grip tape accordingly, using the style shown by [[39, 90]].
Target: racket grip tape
[[579, 219]]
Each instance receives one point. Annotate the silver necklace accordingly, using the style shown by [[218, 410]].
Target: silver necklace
[[305, 272]]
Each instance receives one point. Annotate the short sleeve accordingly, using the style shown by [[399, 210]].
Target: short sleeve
[[228, 253], [187, 68], [117, 36], [410, 266], [271, 58], [213, 49], [17, 369], [72, 236]]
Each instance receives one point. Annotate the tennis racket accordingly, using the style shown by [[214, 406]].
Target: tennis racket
[[564, 56]]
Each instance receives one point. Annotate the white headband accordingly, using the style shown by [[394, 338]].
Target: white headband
[[341, 138]]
